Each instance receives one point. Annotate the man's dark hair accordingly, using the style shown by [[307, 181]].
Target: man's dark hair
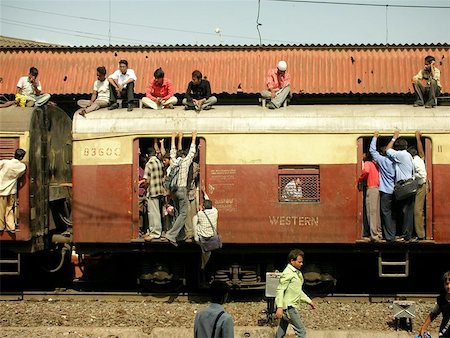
[[123, 62], [207, 204], [197, 74], [412, 150], [19, 154], [446, 277], [429, 59], [218, 292], [181, 153], [151, 151], [34, 71], [293, 254], [159, 73], [401, 144], [101, 70]]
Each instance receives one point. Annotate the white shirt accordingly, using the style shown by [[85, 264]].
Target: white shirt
[[122, 78], [26, 87], [102, 89], [10, 171], [291, 191], [202, 227], [420, 170]]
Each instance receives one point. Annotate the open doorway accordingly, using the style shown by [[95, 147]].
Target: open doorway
[[397, 207]]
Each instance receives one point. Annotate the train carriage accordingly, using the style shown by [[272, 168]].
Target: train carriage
[[247, 156], [44, 193]]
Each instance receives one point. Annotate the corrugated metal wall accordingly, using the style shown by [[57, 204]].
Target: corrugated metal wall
[[313, 70]]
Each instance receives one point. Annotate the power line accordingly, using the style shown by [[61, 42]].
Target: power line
[[360, 4], [70, 32], [125, 23]]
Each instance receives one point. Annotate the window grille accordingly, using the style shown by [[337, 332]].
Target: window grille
[[7, 147], [298, 184]]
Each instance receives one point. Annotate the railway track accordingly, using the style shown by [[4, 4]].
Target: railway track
[[184, 297]]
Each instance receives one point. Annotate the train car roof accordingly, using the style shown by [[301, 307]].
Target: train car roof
[[15, 119], [255, 119]]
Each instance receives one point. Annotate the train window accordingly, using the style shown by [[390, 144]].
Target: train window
[[300, 184]]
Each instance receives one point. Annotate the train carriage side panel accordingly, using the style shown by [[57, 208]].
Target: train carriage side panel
[[103, 190], [243, 179], [440, 183]]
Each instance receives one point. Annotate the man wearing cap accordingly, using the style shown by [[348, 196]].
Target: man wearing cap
[[278, 86]]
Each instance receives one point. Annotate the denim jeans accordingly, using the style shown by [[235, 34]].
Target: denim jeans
[[180, 198], [291, 316]]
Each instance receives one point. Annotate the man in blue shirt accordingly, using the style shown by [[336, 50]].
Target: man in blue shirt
[[387, 179], [214, 321], [404, 170]]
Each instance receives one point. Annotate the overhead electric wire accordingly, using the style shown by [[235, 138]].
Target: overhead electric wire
[[125, 23], [340, 3], [70, 32]]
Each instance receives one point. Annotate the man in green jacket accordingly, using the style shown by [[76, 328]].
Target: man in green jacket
[[290, 295]]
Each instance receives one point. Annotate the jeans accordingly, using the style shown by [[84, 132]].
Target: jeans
[[181, 198], [293, 318]]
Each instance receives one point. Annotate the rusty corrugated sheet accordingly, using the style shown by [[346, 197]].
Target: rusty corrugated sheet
[[319, 70]]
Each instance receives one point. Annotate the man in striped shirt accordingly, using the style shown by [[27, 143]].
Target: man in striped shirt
[[154, 180], [180, 196]]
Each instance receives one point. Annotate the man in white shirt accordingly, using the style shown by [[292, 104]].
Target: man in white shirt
[[100, 94], [30, 88], [293, 190], [10, 171], [205, 225], [122, 85], [420, 174]]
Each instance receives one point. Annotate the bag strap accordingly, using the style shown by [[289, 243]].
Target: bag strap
[[215, 324], [210, 223]]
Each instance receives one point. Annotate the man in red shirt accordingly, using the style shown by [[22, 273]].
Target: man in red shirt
[[278, 84], [371, 175], [159, 93]]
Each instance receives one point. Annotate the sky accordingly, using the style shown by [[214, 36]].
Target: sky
[[226, 22]]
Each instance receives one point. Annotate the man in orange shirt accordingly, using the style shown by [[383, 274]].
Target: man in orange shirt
[[159, 93], [278, 84], [371, 174]]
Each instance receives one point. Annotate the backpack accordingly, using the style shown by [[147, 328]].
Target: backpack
[[171, 182]]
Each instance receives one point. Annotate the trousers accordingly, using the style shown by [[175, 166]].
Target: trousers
[[291, 316], [152, 104], [182, 200], [7, 214], [279, 98], [88, 107]]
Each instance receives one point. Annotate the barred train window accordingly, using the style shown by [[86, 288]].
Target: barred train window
[[300, 184]]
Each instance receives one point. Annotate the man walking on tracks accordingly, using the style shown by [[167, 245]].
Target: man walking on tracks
[[290, 295], [10, 171]]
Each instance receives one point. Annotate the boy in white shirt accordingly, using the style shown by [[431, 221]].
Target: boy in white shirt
[[100, 94], [30, 88]]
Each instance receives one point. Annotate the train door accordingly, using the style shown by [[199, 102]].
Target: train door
[[363, 147], [142, 148]]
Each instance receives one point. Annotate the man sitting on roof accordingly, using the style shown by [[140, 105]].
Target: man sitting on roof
[[426, 84], [159, 93], [29, 89], [122, 85], [279, 86], [100, 94], [198, 93]]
